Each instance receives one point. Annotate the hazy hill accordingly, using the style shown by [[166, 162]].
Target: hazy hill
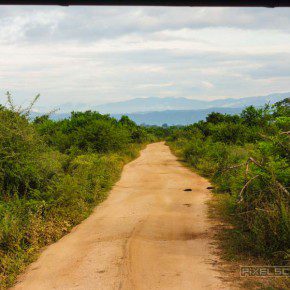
[[170, 117], [173, 111], [176, 117], [162, 104]]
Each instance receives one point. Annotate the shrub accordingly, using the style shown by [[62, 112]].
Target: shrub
[[247, 158], [52, 174]]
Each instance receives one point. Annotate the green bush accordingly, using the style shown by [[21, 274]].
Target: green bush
[[52, 174], [247, 158], [25, 161]]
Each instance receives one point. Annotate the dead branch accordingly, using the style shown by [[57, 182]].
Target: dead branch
[[277, 141], [233, 167], [247, 169], [285, 133], [10, 101], [241, 198], [251, 159], [244, 212], [265, 210], [255, 162], [282, 187], [27, 111]]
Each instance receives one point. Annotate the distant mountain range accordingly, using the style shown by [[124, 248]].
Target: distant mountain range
[[170, 103], [173, 111], [176, 117], [162, 104]]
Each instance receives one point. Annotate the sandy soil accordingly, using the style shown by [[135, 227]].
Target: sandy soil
[[148, 234]]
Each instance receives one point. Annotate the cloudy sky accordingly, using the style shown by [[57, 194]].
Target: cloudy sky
[[102, 54]]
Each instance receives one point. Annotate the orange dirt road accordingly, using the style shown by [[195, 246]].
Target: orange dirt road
[[148, 234]]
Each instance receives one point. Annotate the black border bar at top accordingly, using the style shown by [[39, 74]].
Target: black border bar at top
[[199, 3]]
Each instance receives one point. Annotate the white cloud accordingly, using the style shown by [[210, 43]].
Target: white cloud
[[98, 54]]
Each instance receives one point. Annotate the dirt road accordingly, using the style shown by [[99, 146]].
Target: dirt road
[[148, 234]]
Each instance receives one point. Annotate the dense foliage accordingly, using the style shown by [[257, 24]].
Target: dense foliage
[[52, 173], [247, 158]]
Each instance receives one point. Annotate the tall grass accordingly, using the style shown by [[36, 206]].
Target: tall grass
[[52, 174], [250, 167]]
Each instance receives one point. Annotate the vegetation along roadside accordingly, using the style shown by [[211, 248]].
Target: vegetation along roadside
[[246, 157], [52, 174]]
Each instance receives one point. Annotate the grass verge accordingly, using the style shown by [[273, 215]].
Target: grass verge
[[230, 239], [29, 224]]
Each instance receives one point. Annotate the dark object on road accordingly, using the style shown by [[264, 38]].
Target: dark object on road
[[187, 189], [210, 187]]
